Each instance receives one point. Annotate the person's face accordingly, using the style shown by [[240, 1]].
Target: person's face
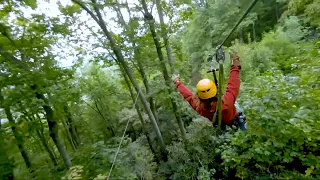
[[208, 101]]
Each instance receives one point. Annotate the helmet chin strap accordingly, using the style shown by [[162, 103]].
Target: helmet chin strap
[[213, 99]]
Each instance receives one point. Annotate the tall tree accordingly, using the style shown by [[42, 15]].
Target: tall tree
[[164, 34], [137, 54], [39, 132], [71, 126], [118, 53], [15, 131], [53, 125], [6, 165], [150, 20], [143, 124], [23, 66]]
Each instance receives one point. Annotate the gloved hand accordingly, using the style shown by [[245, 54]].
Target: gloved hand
[[175, 77], [235, 59]]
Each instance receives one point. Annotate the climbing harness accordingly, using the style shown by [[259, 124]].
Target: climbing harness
[[240, 120], [219, 55]]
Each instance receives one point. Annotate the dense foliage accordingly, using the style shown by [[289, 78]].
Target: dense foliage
[[73, 80]]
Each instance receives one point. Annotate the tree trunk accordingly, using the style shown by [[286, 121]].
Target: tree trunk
[[53, 126], [108, 125], [165, 35], [134, 132], [145, 82], [144, 128], [46, 146], [105, 128], [68, 135], [254, 32], [137, 58], [16, 133], [6, 165], [149, 18], [43, 136], [277, 11], [17, 136], [117, 51], [119, 55], [72, 129], [54, 131], [241, 36], [42, 139]]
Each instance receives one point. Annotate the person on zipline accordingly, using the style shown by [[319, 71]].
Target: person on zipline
[[205, 101]]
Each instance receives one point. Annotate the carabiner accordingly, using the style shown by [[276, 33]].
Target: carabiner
[[220, 55]]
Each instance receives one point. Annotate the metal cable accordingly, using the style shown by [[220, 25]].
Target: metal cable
[[124, 133], [253, 3], [219, 58]]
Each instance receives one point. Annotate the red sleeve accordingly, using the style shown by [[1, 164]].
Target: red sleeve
[[187, 95], [233, 87]]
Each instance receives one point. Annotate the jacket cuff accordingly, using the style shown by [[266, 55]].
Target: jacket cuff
[[233, 67], [177, 83]]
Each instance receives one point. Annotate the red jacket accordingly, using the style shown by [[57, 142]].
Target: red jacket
[[229, 111]]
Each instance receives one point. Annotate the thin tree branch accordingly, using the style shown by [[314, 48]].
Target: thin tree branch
[[128, 9], [91, 107], [14, 43], [102, 42], [153, 2], [96, 9], [10, 39], [115, 59], [134, 64], [103, 26], [126, 28], [10, 57], [94, 17], [120, 16], [95, 34], [138, 8]]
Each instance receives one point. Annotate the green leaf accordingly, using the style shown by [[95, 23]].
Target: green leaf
[[309, 170], [314, 53], [31, 3], [70, 9], [22, 21]]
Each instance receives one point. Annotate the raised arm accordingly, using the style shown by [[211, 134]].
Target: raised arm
[[187, 94], [233, 86]]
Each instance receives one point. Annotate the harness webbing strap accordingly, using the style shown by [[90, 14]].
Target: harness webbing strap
[[220, 95]]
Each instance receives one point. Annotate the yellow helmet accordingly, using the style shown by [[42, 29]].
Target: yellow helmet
[[206, 89]]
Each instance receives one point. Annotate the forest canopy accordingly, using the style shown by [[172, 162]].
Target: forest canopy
[[86, 89]]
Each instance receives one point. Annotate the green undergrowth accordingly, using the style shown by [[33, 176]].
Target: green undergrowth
[[280, 93]]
